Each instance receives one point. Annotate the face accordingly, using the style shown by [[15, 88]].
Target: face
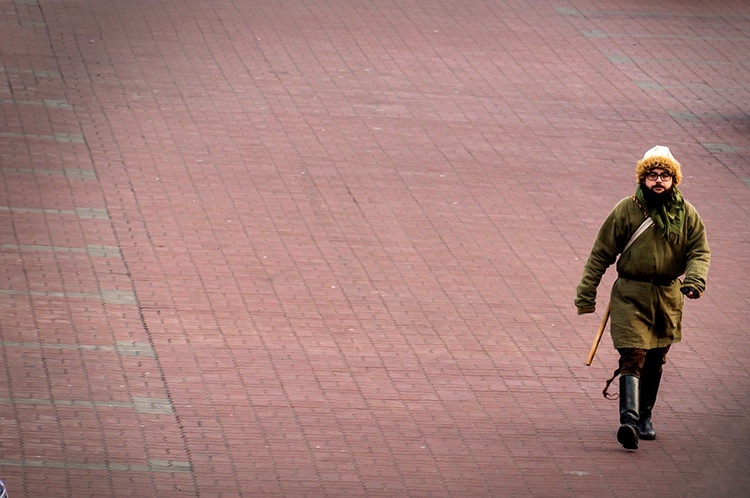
[[655, 180]]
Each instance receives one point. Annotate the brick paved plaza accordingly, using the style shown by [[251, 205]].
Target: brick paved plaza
[[329, 248]]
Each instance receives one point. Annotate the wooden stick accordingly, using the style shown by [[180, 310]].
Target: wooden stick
[[599, 334]]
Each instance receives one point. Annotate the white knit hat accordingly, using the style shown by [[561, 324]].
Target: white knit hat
[[659, 151]]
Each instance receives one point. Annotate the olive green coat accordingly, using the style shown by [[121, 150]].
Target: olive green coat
[[645, 315]]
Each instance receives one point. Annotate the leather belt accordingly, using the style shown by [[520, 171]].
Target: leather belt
[[663, 282]]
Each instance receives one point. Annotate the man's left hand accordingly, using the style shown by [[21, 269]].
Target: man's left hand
[[690, 292]]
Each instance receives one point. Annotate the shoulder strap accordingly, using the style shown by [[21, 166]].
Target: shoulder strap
[[644, 226]]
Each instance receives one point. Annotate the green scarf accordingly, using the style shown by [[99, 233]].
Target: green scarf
[[669, 217]]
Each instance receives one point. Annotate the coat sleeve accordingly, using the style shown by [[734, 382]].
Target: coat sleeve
[[697, 253], [603, 255]]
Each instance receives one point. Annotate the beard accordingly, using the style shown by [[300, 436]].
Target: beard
[[654, 199]]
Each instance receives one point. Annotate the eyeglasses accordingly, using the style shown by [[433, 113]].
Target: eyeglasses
[[664, 176]]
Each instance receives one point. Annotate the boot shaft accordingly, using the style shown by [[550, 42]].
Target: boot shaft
[[649, 388], [629, 399]]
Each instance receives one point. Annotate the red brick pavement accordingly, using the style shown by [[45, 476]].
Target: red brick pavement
[[329, 248]]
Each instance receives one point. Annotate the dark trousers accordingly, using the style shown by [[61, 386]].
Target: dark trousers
[[642, 362]]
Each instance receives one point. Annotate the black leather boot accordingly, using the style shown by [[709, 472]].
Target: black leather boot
[[627, 434], [649, 388]]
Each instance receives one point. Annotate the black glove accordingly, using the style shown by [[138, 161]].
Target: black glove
[[690, 292]]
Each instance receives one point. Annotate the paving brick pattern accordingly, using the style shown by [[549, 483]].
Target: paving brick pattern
[[297, 248]]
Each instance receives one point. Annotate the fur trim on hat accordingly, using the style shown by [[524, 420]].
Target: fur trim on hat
[[658, 157]]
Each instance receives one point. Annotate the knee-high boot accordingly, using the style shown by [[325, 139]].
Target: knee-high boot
[[627, 434], [649, 388]]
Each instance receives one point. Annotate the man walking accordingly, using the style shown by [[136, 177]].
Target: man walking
[[647, 298]]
